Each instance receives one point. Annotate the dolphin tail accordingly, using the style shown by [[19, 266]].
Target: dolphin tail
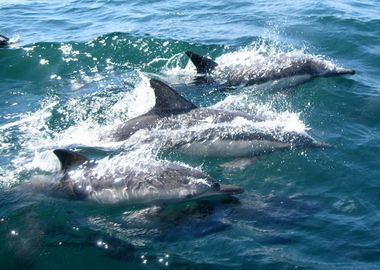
[[203, 64]]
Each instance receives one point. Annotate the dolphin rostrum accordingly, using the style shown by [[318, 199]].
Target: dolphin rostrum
[[82, 179], [294, 69], [177, 123]]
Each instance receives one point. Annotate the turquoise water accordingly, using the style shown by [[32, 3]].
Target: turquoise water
[[77, 69]]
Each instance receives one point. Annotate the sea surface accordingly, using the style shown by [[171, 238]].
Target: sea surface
[[77, 69]]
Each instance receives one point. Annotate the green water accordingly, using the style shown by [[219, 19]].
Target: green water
[[77, 69]]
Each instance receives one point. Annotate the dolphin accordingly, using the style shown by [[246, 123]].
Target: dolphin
[[293, 71], [177, 123], [80, 179], [4, 41]]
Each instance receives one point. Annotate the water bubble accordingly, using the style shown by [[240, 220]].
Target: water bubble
[[102, 244], [44, 61]]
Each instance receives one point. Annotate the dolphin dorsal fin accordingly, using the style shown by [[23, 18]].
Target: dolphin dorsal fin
[[69, 158], [203, 64], [3, 40], [168, 100]]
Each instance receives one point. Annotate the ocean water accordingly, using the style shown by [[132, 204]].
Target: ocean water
[[77, 69]]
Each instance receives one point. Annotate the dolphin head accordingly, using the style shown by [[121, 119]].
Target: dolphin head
[[319, 68]]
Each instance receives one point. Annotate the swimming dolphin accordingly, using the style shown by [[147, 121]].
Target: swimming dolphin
[[155, 183], [4, 41], [295, 70], [177, 123]]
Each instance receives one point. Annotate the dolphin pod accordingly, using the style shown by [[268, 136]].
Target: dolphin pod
[[161, 183], [299, 70], [173, 113], [178, 124]]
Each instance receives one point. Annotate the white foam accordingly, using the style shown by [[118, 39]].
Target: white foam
[[259, 61], [36, 138]]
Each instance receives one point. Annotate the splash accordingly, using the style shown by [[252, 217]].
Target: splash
[[287, 121], [174, 71], [81, 121]]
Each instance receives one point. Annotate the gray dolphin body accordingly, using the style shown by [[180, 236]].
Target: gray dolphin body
[[4, 41], [163, 182], [207, 132], [295, 71]]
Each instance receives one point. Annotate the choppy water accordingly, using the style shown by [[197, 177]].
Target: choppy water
[[77, 69]]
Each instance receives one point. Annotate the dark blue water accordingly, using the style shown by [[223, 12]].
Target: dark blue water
[[77, 69]]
